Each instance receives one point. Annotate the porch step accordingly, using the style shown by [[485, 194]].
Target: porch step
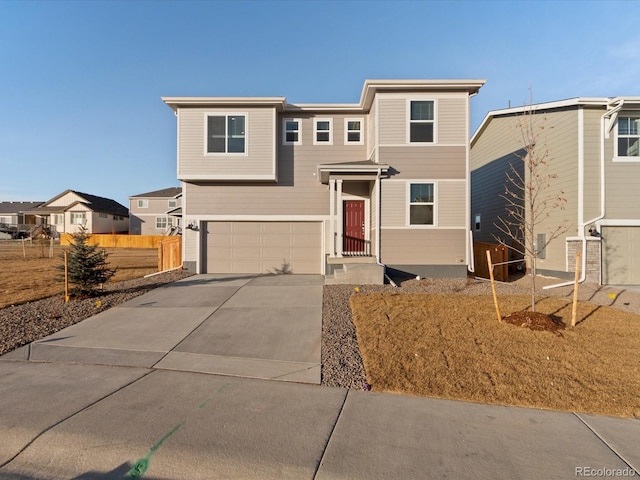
[[358, 274]]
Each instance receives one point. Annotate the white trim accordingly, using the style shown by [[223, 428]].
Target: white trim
[[422, 227], [346, 130], [619, 223], [177, 113], [184, 210], [255, 218], [316, 120], [626, 159], [422, 180], [376, 148], [332, 212], [190, 177], [434, 121], [284, 131], [226, 127], [579, 239], [340, 221], [422, 144], [408, 204], [580, 165], [377, 226]]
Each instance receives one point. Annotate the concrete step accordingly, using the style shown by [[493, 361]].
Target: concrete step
[[357, 273]]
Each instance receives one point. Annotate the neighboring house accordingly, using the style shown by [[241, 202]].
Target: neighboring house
[[69, 210], [156, 213], [13, 220], [593, 149], [270, 186]]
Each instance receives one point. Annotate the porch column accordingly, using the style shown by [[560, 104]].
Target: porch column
[[340, 221], [332, 218]]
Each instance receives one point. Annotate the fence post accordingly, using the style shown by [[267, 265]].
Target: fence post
[[493, 286]]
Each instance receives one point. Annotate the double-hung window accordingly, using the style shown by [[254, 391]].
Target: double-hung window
[[422, 121], [143, 203], [629, 137], [353, 131], [421, 203], [323, 134], [173, 203], [226, 133], [292, 131]]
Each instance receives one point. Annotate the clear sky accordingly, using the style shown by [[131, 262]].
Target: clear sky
[[81, 81]]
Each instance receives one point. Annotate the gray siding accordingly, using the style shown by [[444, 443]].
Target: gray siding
[[423, 246], [592, 181], [258, 162]]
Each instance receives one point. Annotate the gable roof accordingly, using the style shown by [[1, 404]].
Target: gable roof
[[93, 202], [171, 192], [18, 207]]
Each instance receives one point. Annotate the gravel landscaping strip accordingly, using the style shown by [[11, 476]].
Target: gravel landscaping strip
[[26, 323]]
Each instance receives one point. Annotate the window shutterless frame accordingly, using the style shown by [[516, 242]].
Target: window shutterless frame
[[422, 204], [627, 143], [226, 133], [421, 121], [292, 131], [353, 131], [323, 131], [143, 203]]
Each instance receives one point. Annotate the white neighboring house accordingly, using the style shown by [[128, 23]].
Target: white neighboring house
[[156, 213], [70, 210]]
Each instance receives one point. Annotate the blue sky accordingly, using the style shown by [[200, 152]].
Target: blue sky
[[81, 81]]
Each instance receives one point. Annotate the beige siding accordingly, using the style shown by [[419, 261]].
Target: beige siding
[[426, 161], [622, 189], [258, 162], [423, 246], [370, 139], [298, 190], [66, 200], [621, 256], [394, 204], [190, 245], [452, 121], [451, 204], [592, 181], [392, 121]]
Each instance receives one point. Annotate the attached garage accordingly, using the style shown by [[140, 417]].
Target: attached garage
[[262, 247], [621, 255]]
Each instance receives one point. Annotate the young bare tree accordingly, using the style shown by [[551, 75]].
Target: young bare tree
[[529, 197]]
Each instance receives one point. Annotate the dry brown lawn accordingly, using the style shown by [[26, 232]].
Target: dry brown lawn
[[452, 346], [34, 277]]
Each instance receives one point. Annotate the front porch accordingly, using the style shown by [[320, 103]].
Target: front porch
[[354, 222]]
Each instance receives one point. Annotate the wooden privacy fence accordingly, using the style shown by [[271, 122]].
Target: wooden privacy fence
[[120, 241], [499, 254], [169, 253]]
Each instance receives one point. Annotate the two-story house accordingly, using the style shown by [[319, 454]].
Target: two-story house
[[156, 213], [270, 186], [593, 151]]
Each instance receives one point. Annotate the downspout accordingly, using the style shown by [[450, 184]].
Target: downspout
[[583, 224], [470, 258]]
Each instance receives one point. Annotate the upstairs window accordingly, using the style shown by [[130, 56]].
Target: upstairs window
[[353, 131], [628, 137], [292, 131], [143, 203], [323, 134], [173, 203], [421, 204], [421, 121], [226, 134]]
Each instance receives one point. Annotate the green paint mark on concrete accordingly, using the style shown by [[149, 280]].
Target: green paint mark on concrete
[[140, 467]]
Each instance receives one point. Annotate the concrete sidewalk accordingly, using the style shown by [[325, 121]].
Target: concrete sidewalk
[[123, 390], [61, 421]]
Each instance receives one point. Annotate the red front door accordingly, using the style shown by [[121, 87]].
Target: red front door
[[353, 226]]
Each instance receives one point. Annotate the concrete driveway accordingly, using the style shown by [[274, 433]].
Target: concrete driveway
[[265, 327]]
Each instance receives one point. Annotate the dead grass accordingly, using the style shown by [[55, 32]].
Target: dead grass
[[452, 346], [34, 277]]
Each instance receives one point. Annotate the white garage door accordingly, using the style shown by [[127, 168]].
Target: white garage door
[[621, 255], [263, 247]]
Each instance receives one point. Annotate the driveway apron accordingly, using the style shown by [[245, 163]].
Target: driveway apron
[[261, 327]]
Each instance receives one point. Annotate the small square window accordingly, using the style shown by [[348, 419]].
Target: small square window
[[291, 134], [173, 203], [143, 203], [323, 134], [353, 131]]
